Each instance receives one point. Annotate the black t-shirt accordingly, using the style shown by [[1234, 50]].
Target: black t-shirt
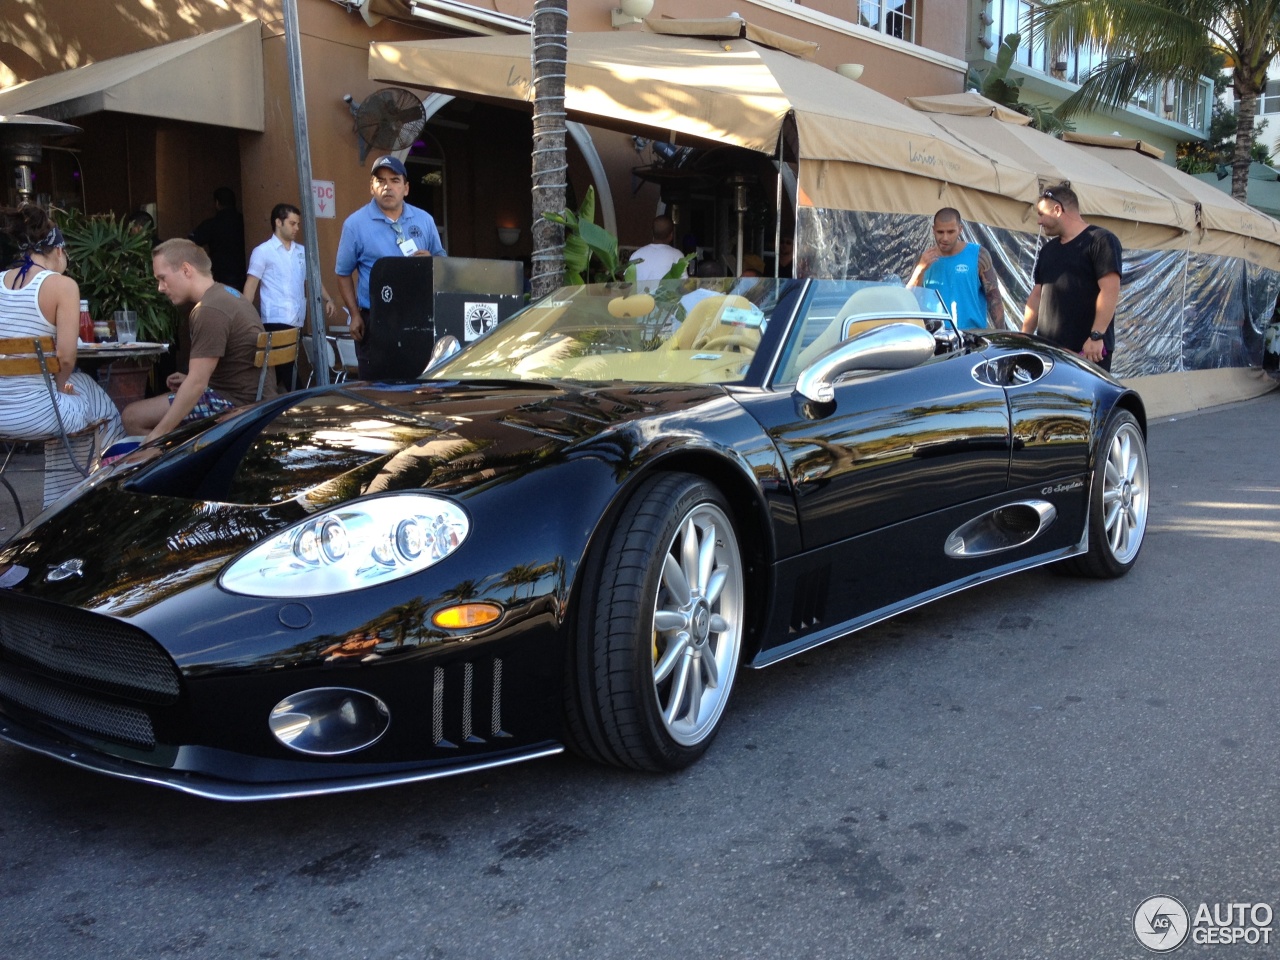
[[223, 234], [1068, 274]]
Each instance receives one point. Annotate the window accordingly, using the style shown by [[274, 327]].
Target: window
[[1270, 102], [1179, 101], [895, 18]]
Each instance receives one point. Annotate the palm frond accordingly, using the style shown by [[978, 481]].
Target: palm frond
[[1175, 28]]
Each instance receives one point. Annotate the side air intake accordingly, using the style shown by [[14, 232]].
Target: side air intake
[[1004, 528]]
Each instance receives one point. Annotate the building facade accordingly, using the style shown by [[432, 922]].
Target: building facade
[[161, 134]]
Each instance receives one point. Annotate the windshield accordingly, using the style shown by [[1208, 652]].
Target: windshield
[[671, 331]]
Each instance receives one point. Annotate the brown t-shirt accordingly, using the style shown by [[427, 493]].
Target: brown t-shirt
[[226, 327]]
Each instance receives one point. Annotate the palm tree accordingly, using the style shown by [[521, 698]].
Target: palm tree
[[550, 164], [1146, 41]]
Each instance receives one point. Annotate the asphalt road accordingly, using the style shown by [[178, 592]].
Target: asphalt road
[[1005, 774]]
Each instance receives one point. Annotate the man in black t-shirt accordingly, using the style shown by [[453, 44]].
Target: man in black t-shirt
[[1077, 280], [223, 236]]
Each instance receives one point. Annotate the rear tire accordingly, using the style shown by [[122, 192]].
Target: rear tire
[[660, 630], [1118, 501]]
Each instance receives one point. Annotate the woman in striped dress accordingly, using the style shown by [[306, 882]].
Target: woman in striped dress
[[36, 300]]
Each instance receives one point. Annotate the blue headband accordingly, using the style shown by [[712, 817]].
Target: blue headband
[[52, 239]]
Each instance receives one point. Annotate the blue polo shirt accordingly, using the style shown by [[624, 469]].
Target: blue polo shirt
[[368, 235]]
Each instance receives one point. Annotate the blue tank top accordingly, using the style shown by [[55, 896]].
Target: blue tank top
[[956, 278]]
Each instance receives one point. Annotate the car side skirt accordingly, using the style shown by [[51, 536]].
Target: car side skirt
[[772, 655], [823, 595]]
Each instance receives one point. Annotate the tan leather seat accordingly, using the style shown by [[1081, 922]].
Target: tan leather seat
[[866, 303]]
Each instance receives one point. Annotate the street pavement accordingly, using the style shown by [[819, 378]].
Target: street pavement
[[1008, 773], [26, 475]]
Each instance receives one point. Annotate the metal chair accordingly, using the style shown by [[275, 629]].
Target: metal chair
[[275, 347], [328, 357], [347, 357], [23, 357]]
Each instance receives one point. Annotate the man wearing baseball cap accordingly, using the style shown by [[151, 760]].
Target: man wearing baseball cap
[[385, 227]]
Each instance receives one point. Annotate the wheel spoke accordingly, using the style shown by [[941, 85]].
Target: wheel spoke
[[711, 668], [1113, 511], [719, 624], [664, 621], [689, 555], [1114, 476], [677, 649], [678, 687], [1119, 533], [674, 580], [695, 690], [715, 584], [706, 559]]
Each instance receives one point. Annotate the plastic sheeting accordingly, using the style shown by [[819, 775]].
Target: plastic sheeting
[[1178, 310]]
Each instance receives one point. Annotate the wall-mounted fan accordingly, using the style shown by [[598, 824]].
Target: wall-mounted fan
[[389, 119]]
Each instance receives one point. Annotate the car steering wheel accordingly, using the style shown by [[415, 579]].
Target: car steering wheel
[[742, 341]]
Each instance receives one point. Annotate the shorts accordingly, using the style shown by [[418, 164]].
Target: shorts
[[210, 404]]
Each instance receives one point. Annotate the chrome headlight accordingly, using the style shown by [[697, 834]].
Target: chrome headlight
[[350, 547]]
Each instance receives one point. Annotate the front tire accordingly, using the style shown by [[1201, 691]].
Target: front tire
[[660, 634], [1118, 501]]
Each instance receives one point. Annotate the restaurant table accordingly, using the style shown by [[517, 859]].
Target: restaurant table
[[123, 369]]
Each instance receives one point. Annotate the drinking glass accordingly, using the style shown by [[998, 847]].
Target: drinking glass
[[126, 326]]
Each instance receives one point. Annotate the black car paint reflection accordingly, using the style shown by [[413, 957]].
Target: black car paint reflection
[[840, 510]]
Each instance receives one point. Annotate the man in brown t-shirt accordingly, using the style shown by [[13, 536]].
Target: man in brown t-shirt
[[224, 338]]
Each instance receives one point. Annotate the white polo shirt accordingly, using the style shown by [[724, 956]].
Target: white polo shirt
[[282, 281]]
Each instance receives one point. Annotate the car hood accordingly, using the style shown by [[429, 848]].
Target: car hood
[[173, 514], [342, 442]]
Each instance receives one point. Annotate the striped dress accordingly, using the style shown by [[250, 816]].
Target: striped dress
[[26, 411]]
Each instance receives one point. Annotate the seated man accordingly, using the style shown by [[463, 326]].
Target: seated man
[[224, 338]]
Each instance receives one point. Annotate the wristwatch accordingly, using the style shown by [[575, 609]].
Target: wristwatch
[[1095, 335]]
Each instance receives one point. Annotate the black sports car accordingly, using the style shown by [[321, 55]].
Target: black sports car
[[573, 532]]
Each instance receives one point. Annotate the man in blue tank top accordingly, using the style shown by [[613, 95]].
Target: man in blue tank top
[[962, 272]]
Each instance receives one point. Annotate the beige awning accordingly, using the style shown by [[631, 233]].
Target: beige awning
[[215, 78], [734, 26], [727, 91], [1141, 216], [1122, 143], [968, 104], [1221, 218]]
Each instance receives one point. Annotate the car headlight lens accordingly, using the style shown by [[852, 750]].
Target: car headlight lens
[[350, 547]]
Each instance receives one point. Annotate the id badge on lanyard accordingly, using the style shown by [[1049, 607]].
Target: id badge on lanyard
[[406, 244]]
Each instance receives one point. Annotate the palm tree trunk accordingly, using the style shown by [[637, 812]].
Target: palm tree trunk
[[550, 164], [1246, 110]]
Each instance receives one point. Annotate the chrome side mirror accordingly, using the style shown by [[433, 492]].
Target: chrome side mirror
[[445, 348], [893, 346]]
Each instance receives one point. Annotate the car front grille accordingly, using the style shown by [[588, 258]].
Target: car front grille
[[94, 653], [112, 721], [81, 670]]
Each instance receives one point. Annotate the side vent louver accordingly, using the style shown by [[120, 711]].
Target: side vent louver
[[809, 602], [458, 697]]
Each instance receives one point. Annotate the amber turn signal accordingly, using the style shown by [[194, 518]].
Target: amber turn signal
[[466, 616]]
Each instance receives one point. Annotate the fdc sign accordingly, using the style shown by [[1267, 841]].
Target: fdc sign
[[323, 198]]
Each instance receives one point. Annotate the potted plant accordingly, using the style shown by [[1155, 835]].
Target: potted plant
[[112, 264], [591, 251], [111, 261]]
